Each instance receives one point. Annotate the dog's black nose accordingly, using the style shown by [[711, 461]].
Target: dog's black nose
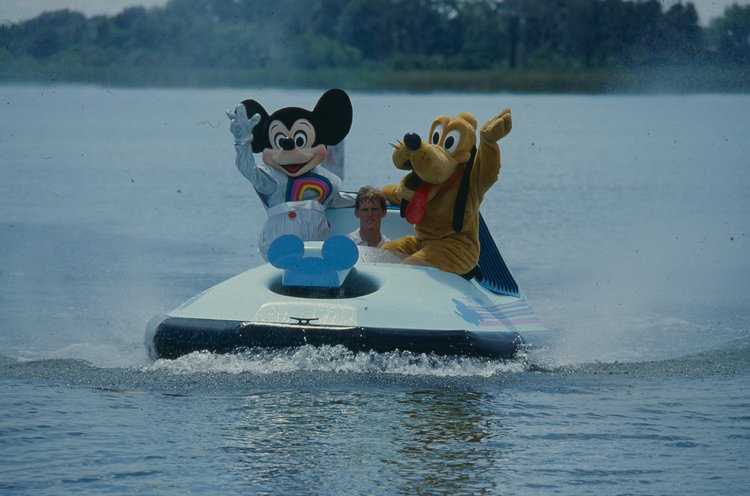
[[412, 141], [287, 144]]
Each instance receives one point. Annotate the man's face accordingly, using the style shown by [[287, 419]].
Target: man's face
[[369, 214]]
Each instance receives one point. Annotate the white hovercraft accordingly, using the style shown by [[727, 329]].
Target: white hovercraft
[[311, 294]]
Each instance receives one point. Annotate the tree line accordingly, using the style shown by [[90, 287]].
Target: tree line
[[387, 34]]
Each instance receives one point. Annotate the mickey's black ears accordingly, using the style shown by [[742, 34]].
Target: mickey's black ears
[[333, 113], [260, 136], [332, 119]]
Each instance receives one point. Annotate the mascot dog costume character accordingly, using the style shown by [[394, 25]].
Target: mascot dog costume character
[[293, 141], [441, 195]]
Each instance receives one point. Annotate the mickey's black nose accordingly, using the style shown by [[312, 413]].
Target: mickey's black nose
[[413, 141], [287, 144]]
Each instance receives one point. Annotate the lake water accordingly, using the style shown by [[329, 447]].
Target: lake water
[[625, 219]]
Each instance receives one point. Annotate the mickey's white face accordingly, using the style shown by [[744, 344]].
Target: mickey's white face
[[291, 149]]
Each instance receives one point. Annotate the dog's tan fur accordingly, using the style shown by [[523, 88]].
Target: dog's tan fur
[[435, 242]]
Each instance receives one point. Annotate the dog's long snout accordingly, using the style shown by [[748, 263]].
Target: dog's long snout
[[412, 141]]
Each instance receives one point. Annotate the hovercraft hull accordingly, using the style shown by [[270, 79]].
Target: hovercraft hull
[[177, 336], [380, 306]]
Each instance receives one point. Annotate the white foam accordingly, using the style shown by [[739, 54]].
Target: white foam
[[335, 359]]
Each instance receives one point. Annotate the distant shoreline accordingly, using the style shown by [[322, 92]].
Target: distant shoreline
[[702, 79]]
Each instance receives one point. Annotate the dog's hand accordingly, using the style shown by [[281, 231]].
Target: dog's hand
[[390, 191], [497, 127]]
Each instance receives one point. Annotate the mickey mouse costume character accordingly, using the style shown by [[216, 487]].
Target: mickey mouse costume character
[[292, 142]]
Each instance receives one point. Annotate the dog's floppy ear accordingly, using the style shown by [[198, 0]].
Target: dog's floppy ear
[[260, 132], [333, 114], [468, 117]]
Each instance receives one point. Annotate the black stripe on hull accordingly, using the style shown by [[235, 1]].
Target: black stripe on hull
[[177, 336]]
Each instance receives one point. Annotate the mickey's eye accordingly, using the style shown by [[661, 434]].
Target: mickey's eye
[[435, 138], [300, 139], [452, 140], [278, 140]]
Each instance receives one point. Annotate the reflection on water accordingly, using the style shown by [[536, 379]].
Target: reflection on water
[[447, 442], [310, 421], [414, 442]]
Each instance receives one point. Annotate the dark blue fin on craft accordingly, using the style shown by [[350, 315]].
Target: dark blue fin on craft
[[493, 273]]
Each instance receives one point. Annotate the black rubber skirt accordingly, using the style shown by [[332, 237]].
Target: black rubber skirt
[[173, 337]]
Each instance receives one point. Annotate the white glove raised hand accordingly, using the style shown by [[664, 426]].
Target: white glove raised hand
[[240, 126]]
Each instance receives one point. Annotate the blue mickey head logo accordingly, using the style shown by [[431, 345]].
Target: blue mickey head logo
[[337, 256]]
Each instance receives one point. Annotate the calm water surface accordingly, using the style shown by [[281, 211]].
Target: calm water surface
[[624, 219]]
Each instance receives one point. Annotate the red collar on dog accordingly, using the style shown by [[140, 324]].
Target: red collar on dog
[[455, 177]]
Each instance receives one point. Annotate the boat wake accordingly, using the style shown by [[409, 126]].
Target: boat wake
[[330, 364], [336, 359]]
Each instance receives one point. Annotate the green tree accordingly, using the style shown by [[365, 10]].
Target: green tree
[[683, 32], [477, 36], [732, 34], [51, 32], [367, 26]]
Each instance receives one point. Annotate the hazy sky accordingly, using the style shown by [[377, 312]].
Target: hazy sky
[[19, 10]]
